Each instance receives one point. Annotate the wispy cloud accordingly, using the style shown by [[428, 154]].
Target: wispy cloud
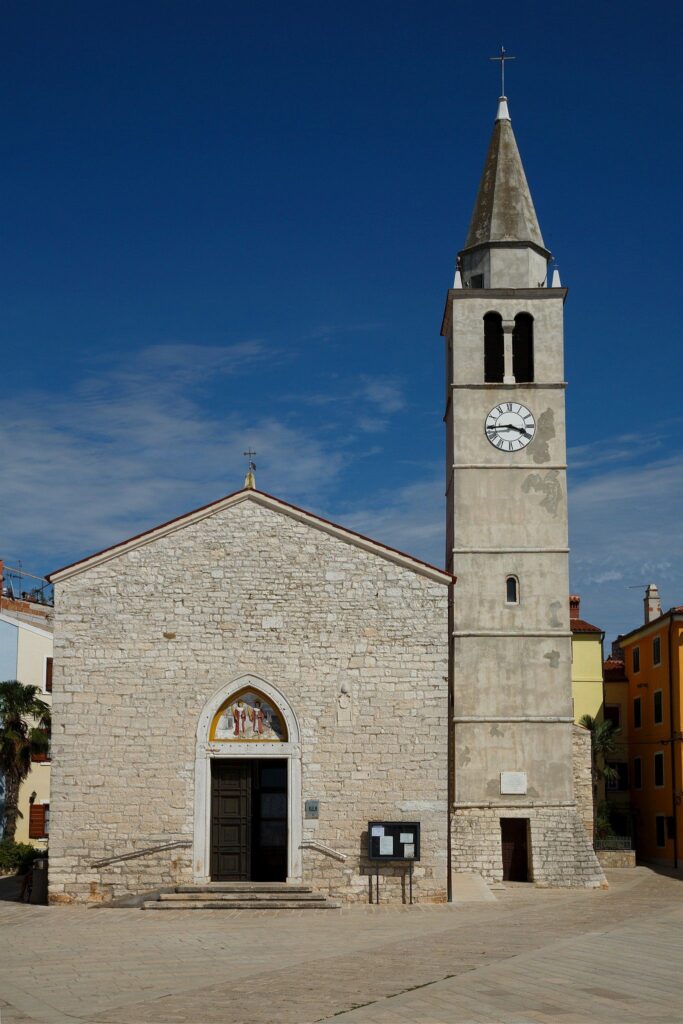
[[623, 448], [365, 403], [135, 443], [625, 529], [386, 395], [410, 518]]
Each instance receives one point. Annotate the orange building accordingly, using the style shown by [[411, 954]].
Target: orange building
[[653, 655]]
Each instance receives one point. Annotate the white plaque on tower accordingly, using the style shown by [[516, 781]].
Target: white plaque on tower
[[513, 783]]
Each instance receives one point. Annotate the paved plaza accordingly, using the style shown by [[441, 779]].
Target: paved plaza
[[531, 955]]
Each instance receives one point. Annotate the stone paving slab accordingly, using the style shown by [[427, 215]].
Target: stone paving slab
[[510, 992], [531, 956]]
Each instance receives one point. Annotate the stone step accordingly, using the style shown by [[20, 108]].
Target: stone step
[[212, 887], [240, 894], [241, 904]]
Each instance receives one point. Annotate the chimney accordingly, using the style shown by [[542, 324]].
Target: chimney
[[653, 608], [574, 604]]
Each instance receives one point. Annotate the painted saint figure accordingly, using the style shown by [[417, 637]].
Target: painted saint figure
[[239, 714], [248, 718], [257, 717]]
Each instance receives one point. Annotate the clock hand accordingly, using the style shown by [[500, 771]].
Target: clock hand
[[511, 426]]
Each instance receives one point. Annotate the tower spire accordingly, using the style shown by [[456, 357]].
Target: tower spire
[[504, 247]]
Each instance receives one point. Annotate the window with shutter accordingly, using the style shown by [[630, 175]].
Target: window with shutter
[[38, 819], [48, 675]]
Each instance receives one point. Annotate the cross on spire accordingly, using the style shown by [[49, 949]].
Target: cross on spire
[[502, 58]]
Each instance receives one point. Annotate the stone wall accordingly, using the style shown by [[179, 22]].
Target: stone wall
[[145, 639], [617, 858], [583, 777], [560, 852]]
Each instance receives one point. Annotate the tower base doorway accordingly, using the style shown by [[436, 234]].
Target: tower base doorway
[[514, 833], [248, 820]]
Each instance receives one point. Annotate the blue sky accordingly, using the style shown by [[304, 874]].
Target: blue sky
[[234, 224]]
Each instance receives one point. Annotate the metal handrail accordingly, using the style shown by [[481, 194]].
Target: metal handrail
[[141, 853], [314, 844]]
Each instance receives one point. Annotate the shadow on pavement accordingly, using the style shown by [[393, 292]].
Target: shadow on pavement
[[10, 887]]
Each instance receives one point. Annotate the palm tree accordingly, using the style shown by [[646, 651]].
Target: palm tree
[[24, 731], [603, 743]]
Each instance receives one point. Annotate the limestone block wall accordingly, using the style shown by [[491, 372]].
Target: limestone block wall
[[583, 777], [560, 852], [617, 858], [144, 640]]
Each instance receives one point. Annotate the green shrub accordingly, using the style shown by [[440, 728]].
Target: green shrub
[[17, 856]]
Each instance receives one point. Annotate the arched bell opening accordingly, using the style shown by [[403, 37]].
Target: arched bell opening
[[523, 349], [494, 349]]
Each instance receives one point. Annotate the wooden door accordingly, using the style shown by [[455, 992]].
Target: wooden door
[[269, 825], [514, 832], [231, 784]]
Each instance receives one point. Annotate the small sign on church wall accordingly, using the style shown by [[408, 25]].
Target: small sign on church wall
[[513, 783]]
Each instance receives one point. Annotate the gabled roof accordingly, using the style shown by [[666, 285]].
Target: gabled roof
[[581, 626], [504, 210], [266, 501], [672, 613]]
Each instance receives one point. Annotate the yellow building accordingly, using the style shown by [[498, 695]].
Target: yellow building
[[26, 655], [587, 696]]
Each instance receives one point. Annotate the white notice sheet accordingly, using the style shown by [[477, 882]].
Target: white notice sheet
[[386, 845], [378, 830]]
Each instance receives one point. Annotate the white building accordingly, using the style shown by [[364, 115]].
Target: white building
[[26, 655]]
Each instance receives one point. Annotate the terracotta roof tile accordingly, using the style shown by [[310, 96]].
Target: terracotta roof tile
[[614, 671], [581, 626]]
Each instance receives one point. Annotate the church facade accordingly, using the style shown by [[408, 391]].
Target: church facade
[[238, 693]]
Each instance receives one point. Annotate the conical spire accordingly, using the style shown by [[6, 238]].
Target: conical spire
[[504, 210]]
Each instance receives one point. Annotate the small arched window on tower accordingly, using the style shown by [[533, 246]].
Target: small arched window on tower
[[523, 349], [494, 349], [511, 590]]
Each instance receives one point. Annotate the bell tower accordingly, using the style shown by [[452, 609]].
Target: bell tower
[[512, 807]]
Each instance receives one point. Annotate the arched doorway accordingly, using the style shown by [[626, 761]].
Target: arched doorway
[[248, 814]]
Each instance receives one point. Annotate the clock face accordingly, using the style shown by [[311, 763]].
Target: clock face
[[510, 426]]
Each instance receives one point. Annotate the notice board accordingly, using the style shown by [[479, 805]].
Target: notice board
[[394, 840]]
